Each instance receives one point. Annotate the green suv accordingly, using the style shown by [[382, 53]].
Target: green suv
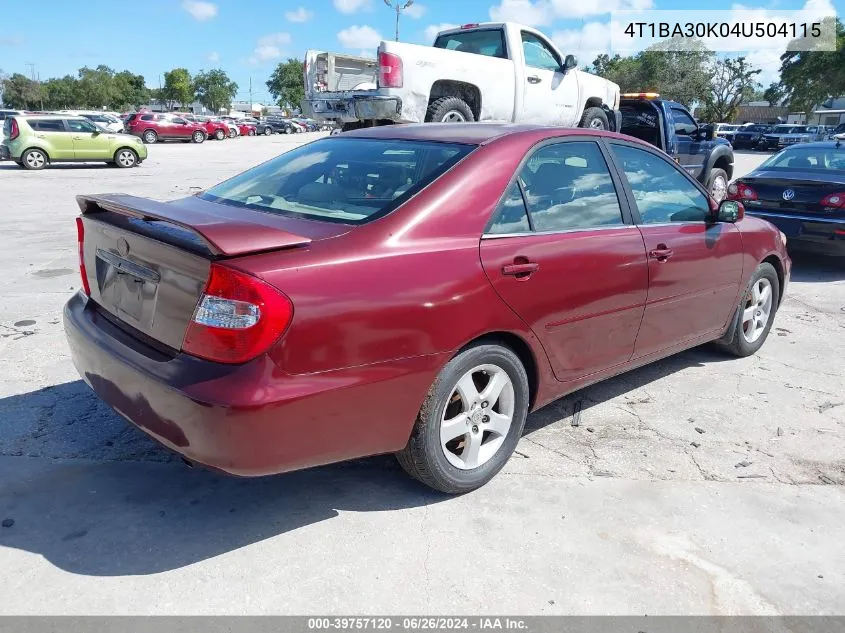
[[34, 141]]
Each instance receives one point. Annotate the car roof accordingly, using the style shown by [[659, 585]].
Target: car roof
[[57, 115], [468, 133], [819, 145]]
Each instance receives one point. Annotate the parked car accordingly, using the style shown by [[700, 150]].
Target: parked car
[[213, 127], [726, 130], [670, 126], [783, 135], [261, 127], [749, 136], [266, 335], [246, 129], [478, 72], [838, 133], [154, 127], [107, 121], [801, 190], [36, 141], [283, 126]]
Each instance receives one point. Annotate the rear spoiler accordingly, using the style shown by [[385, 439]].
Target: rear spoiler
[[226, 231]]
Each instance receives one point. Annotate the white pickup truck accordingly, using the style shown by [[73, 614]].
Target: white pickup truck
[[478, 72]]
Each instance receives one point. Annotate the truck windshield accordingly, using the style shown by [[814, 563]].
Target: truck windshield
[[346, 180], [488, 42]]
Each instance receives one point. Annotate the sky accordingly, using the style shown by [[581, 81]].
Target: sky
[[248, 39]]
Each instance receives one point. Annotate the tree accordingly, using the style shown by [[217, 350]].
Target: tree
[[285, 84], [732, 81], [96, 87], [129, 90], [20, 92], [178, 87], [60, 92], [774, 94], [809, 77], [214, 89]]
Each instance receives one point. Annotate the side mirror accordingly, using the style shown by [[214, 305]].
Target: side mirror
[[570, 62], [707, 132], [730, 211]]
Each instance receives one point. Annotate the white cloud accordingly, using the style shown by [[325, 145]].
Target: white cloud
[[201, 11], [269, 47], [544, 12], [415, 11], [359, 37], [586, 43], [432, 30], [353, 6], [213, 57], [300, 15]]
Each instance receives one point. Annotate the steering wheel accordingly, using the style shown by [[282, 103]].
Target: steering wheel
[[562, 195]]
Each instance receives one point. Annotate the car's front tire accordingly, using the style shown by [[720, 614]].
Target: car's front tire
[[594, 118], [125, 158], [251, 133], [755, 314], [717, 184], [470, 422], [232, 134], [267, 131], [34, 159], [219, 135]]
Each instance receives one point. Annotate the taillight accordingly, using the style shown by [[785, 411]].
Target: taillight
[[14, 130], [835, 200], [389, 70], [238, 317], [80, 242], [741, 191]]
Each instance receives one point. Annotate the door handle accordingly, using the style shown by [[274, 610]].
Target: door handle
[[534, 79], [520, 270], [661, 253], [77, 138]]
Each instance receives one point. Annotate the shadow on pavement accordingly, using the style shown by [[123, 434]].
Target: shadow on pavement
[[85, 491], [811, 267]]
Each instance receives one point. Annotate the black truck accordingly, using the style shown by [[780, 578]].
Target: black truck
[[670, 126]]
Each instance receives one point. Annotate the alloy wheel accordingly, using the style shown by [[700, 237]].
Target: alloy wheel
[[719, 189], [596, 124], [126, 158], [453, 116], [35, 160], [757, 310], [477, 417]]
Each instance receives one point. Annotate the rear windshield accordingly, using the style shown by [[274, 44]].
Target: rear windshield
[[346, 180], [489, 42], [807, 159]]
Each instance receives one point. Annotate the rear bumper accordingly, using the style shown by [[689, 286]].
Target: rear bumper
[[355, 108], [247, 419], [822, 234], [5, 154]]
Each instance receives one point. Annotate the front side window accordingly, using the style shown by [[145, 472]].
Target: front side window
[[351, 181], [179, 121], [487, 42], [538, 54], [683, 122], [568, 186], [662, 193], [81, 125]]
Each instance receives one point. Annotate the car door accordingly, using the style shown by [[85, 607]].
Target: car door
[[55, 137], [694, 264], [89, 141], [562, 252], [691, 150], [550, 95], [181, 127]]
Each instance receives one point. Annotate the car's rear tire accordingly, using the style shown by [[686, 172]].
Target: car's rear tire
[[125, 158], [755, 313], [198, 137], [449, 110], [470, 422], [232, 134], [594, 118], [717, 184], [251, 133], [220, 135], [34, 159], [149, 137]]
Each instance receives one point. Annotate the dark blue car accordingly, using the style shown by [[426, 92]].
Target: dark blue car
[[801, 190]]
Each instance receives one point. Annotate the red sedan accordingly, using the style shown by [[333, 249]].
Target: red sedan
[[246, 129], [408, 289]]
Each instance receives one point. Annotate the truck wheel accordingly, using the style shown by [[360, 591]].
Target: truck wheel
[[595, 119], [717, 184], [449, 110]]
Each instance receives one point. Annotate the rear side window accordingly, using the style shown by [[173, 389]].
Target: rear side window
[[512, 216], [147, 117], [351, 181], [47, 125], [487, 42], [661, 192]]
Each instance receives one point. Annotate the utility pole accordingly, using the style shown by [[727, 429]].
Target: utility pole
[[40, 92], [398, 7], [250, 94]]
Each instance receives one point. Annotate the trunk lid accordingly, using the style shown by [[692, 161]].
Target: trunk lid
[[147, 262], [335, 72], [808, 190]]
